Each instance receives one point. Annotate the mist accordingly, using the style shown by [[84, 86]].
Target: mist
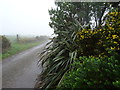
[[25, 17]]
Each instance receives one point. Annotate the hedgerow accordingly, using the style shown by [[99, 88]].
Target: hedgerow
[[93, 73]]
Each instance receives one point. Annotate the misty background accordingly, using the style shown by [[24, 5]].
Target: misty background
[[25, 17]]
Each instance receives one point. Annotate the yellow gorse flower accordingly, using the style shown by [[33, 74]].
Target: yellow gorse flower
[[115, 42], [107, 37], [114, 36], [112, 48], [82, 36], [111, 28], [100, 29], [114, 13]]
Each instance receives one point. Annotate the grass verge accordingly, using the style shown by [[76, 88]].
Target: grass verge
[[17, 47]]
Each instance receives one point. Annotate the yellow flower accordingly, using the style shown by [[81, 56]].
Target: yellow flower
[[86, 31], [100, 29], [113, 13], [115, 42], [107, 37], [114, 36], [82, 36], [112, 48], [91, 31], [111, 28]]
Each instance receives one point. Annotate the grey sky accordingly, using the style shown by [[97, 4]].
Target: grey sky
[[25, 17]]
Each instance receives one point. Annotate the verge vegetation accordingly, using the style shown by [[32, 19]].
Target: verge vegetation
[[17, 46]]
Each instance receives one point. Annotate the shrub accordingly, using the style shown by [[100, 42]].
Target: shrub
[[61, 52], [5, 44], [93, 73], [101, 40]]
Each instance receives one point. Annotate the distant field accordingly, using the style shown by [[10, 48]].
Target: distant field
[[23, 44], [13, 38]]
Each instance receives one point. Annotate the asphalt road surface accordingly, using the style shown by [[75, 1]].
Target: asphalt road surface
[[21, 70]]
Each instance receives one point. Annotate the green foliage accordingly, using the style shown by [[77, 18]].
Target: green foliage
[[91, 72], [73, 40], [5, 44], [62, 50]]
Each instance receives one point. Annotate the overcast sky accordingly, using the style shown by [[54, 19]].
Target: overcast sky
[[25, 17]]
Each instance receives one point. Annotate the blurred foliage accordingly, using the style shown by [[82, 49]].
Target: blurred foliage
[[27, 40], [92, 72], [5, 43]]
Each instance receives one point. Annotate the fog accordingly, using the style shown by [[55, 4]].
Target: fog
[[25, 17]]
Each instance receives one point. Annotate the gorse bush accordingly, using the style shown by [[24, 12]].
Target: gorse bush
[[93, 73], [101, 40]]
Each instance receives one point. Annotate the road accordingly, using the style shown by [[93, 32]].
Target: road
[[21, 70]]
